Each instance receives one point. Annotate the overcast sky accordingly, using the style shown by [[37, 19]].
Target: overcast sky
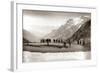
[[41, 23]]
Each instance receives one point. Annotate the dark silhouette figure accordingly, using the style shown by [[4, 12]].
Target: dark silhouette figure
[[58, 40], [77, 41], [69, 42], [42, 40], [83, 42], [48, 41], [54, 40], [64, 44], [61, 41]]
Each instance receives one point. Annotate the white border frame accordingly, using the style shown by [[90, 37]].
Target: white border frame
[[16, 51]]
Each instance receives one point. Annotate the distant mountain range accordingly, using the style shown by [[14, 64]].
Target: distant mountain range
[[29, 37], [68, 29]]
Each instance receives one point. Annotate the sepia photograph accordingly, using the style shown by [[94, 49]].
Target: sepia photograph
[[56, 36]]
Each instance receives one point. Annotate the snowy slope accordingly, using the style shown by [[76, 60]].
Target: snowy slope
[[68, 29]]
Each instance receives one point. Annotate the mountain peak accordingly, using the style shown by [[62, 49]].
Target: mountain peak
[[69, 28]]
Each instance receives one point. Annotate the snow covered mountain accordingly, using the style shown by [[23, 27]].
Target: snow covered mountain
[[68, 29]]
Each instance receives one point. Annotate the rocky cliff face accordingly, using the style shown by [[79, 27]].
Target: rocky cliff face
[[83, 32]]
